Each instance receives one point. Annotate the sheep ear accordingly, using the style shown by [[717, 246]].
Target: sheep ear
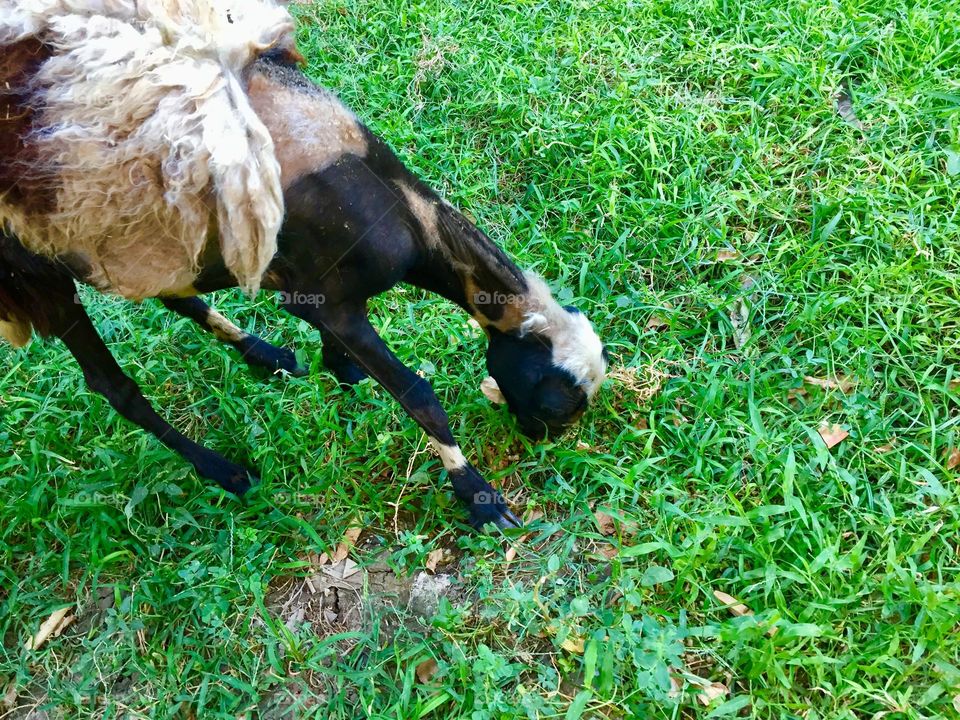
[[491, 391]]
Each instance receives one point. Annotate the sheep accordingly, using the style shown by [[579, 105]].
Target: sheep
[[355, 223]]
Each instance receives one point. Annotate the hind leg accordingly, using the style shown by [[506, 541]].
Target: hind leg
[[68, 320], [253, 350]]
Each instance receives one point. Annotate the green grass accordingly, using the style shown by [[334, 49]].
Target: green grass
[[618, 148]]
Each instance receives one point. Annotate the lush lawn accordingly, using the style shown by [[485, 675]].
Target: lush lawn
[[680, 171]]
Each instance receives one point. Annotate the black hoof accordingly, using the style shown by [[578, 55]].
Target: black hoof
[[486, 505], [260, 354], [230, 476], [498, 515]]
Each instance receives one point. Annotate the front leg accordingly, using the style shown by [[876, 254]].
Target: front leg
[[254, 351], [337, 361], [357, 337]]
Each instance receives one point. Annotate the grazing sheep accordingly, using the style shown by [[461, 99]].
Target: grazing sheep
[[355, 222]]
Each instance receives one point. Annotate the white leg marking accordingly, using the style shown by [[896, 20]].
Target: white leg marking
[[223, 329], [451, 456]]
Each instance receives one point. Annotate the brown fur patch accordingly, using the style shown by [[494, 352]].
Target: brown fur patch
[[310, 127], [512, 313], [18, 63]]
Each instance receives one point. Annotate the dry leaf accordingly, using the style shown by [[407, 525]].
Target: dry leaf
[[573, 644], [530, 517], [609, 551], [426, 670], [676, 687], [732, 604], [656, 322], [343, 549], [433, 558], [51, 627], [605, 522], [740, 320], [711, 692], [842, 383], [9, 698], [845, 109], [832, 434], [953, 458], [954, 384], [888, 447], [727, 255], [956, 703]]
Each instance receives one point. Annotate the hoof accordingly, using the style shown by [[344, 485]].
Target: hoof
[[230, 476], [486, 505], [490, 509], [260, 354]]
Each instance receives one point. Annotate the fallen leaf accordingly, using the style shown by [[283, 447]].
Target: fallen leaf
[[887, 447], [9, 698], [656, 322], [953, 458], [740, 320], [711, 692], [343, 549], [845, 108], [832, 434], [433, 558], [426, 670], [676, 686], [841, 383], [605, 522], [956, 703], [954, 384], [732, 604], [531, 516], [51, 627], [609, 551], [727, 255], [573, 644]]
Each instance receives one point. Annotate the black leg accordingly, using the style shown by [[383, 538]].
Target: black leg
[[337, 361], [69, 321], [253, 350], [360, 341]]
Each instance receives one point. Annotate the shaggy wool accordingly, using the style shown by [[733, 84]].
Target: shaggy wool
[[144, 134]]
